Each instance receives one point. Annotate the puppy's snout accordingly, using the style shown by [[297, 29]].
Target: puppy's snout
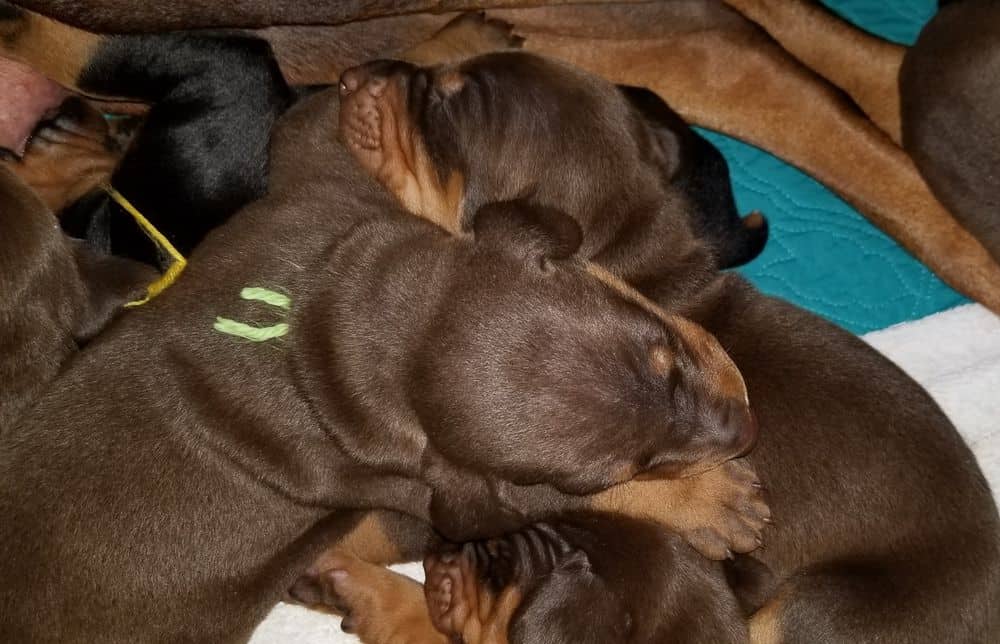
[[351, 80], [361, 77]]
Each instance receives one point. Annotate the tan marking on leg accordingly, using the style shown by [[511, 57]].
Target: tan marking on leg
[[865, 67], [740, 83], [55, 50], [383, 607], [765, 625], [369, 541]]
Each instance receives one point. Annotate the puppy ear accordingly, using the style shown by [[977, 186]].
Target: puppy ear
[[668, 130], [540, 231], [464, 505]]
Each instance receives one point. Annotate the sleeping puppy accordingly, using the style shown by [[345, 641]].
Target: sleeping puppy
[[581, 578], [454, 155], [57, 292], [533, 583], [887, 528], [473, 384], [202, 151]]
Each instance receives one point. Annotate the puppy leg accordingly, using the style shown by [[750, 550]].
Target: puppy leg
[[466, 36], [739, 82], [865, 67], [880, 601], [379, 606]]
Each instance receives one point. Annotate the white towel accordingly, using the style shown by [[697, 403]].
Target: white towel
[[955, 355]]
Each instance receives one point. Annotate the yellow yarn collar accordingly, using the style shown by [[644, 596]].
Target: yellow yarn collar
[[176, 266]]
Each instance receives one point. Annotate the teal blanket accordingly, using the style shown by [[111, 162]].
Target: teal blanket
[[822, 254]]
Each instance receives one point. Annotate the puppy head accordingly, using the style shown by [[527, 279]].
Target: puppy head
[[531, 586], [486, 362], [582, 579], [548, 370], [448, 139]]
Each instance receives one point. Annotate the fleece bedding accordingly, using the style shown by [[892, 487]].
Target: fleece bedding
[[827, 258]]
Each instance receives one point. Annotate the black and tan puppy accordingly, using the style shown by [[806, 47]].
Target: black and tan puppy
[[57, 293], [886, 527], [180, 497], [202, 150]]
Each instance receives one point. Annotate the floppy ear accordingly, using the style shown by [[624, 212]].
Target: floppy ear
[[670, 133], [540, 231], [111, 282], [464, 505]]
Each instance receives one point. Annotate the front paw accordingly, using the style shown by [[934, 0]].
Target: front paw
[[377, 604], [728, 511], [719, 512], [479, 33], [469, 35]]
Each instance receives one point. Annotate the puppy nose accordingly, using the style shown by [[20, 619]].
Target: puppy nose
[[357, 77], [351, 80]]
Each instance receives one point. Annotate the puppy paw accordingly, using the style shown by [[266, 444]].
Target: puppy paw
[[377, 604], [481, 33], [719, 512], [726, 511], [469, 35]]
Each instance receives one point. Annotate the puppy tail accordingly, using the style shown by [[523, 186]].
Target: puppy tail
[[746, 242]]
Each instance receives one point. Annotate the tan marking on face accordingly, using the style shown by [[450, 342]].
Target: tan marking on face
[[401, 163], [62, 166], [489, 620], [712, 358], [53, 49]]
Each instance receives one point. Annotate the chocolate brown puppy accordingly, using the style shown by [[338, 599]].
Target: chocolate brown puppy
[[181, 499], [572, 579], [57, 294], [871, 487], [444, 152], [948, 99]]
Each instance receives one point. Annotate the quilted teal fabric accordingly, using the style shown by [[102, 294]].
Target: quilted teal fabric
[[822, 254]]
